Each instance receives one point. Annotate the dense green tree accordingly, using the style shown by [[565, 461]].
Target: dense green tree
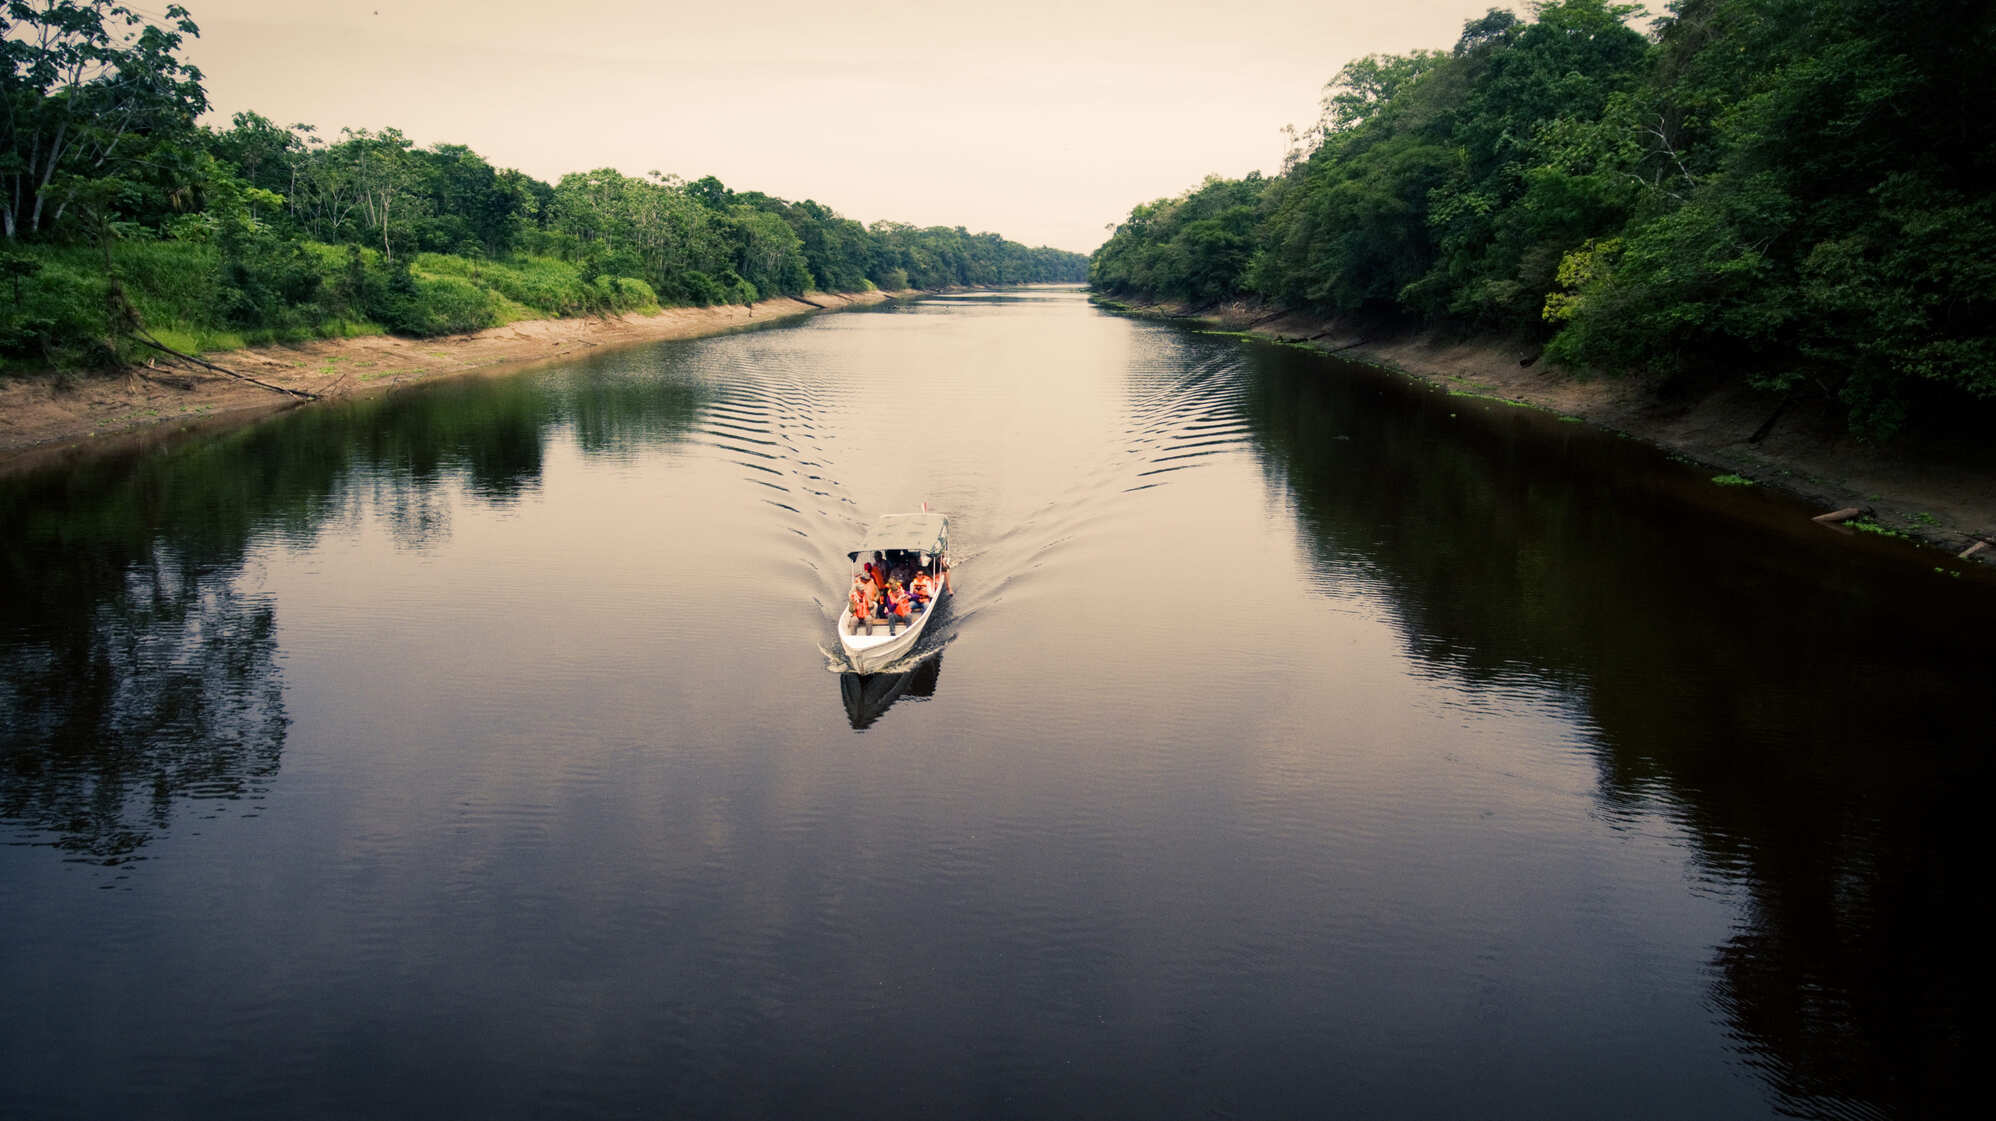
[[96, 103], [767, 252], [1819, 204], [262, 153], [1195, 247], [1496, 251], [1791, 191], [470, 207]]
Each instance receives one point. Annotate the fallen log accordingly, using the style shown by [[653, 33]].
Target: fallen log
[[1972, 550], [148, 340], [1838, 517]]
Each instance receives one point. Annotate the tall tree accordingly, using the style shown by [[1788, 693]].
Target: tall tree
[[88, 90]]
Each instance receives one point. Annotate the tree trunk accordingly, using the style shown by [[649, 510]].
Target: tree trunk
[[48, 173]]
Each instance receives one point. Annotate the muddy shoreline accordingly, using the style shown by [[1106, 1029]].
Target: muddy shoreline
[[52, 419], [1943, 495]]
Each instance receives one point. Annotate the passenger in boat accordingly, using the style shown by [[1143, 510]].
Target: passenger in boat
[[898, 603], [857, 601], [922, 589]]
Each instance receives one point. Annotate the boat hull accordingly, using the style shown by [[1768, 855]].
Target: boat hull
[[869, 653]]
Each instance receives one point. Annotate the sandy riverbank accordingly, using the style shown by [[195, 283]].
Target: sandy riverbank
[[50, 419], [1943, 494]]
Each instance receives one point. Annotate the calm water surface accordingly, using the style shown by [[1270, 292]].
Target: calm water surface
[[1297, 744]]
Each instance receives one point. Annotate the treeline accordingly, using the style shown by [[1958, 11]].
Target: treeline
[[116, 205], [1793, 192]]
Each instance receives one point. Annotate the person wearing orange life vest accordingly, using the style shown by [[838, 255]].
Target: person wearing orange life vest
[[898, 603], [922, 589], [872, 595], [857, 601]]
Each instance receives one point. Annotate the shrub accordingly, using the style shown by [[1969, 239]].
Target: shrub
[[426, 306], [60, 318]]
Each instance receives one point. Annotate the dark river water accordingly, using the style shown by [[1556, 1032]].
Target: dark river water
[[1297, 743]]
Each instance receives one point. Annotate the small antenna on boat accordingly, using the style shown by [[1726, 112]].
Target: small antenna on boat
[[925, 507]]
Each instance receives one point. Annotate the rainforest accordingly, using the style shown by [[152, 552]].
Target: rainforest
[[126, 218], [1792, 193]]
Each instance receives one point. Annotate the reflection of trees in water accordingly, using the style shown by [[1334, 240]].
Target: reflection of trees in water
[[632, 399], [167, 687], [134, 672], [1814, 720]]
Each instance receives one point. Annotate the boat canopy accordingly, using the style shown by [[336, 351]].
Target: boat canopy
[[914, 533]]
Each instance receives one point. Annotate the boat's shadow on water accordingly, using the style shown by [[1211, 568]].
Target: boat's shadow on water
[[868, 696]]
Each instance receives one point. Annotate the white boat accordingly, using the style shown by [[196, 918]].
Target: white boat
[[900, 545]]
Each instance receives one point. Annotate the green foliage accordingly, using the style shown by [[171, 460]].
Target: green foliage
[[1367, 85], [59, 319], [195, 297], [541, 286], [1831, 218], [950, 256], [1866, 525], [111, 195], [1789, 192], [421, 306], [99, 113], [1195, 247], [1732, 480]]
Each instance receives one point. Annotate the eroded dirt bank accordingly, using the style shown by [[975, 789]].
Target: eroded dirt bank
[[50, 419], [1943, 494]]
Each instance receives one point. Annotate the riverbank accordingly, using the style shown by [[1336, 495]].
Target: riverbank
[[1943, 494], [50, 418]]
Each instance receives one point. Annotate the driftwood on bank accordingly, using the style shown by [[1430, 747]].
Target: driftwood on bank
[[1978, 547], [127, 315], [147, 340], [1838, 517]]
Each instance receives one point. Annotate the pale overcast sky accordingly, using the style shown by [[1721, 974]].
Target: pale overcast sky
[[1041, 121]]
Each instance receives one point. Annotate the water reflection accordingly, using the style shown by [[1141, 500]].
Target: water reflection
[[138, 663], [165, 688], [1813, 716], [868, 696], [550, 775]]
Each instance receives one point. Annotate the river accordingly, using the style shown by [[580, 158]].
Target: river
[[1297, 742]]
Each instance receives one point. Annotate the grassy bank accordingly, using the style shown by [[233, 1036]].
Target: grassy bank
[[195, 297], [55, 418]]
